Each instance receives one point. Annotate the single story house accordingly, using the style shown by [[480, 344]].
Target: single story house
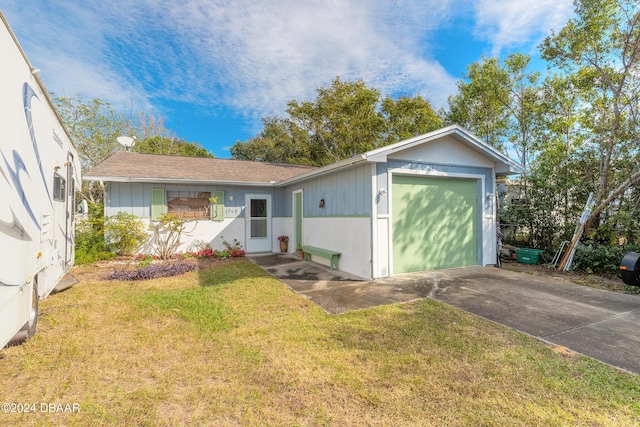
[[423, 203]]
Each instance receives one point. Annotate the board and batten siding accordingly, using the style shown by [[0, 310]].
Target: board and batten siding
[[343, 224], [345, 194], [135, 197]]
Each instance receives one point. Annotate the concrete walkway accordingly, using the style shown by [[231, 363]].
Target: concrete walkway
[[601, 324]]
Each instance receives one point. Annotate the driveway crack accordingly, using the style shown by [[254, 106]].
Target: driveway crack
[[436, 287], [592, 323]]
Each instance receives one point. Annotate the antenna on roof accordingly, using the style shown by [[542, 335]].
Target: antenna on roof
[[127, 142]]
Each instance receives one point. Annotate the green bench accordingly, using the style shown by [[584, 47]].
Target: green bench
[[333, 256]]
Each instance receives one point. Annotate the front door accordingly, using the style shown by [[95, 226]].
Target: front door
[[258, 222]]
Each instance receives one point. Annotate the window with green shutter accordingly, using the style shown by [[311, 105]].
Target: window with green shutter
[[189, 205], [217, 206], [157, 203]]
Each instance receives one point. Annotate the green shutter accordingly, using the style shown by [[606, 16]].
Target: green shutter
[[157, 203], [217, 207]]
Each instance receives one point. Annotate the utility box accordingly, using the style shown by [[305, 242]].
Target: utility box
[[630, 269], [529, 256]]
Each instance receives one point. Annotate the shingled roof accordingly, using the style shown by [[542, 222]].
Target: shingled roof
[[125, 166]]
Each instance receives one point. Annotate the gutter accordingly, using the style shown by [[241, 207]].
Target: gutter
[[176, 181]]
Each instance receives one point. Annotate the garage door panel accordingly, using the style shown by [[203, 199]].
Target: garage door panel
[[434, 223]]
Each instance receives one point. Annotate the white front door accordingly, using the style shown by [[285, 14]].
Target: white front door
[[258, 222]]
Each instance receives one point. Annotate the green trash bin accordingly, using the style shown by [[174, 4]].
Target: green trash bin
[[529, 256]]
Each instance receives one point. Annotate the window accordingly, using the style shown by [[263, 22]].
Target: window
[[58, 188], [189, 204]]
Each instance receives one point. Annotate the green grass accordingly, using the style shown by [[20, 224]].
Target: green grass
[[233, 346]]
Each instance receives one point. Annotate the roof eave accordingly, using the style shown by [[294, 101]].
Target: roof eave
[[503, 164], [177, 181]]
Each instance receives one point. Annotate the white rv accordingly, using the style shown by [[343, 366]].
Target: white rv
[[39, 169]]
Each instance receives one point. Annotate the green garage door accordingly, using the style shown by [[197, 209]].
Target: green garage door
[[434, 223]]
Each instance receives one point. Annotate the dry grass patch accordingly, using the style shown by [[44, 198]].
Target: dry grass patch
[[230, 345]]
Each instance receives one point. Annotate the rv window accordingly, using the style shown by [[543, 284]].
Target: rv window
[[58, 188]]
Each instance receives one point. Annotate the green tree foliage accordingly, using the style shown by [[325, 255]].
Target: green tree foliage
[[124, 233], [601, 48], [500, 103], [481, 102], [342, 121], [159, 144], [95, 125], [576, 132], [89, 236], [345, 119], [407, 117], [280, 141]]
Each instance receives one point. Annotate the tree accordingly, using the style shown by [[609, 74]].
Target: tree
[[159, 144], [522, 107], [481, 102], [345, 119], [408, 117], [94, 126], [601, 47], [281, 141], [341, 122], [500, 103]]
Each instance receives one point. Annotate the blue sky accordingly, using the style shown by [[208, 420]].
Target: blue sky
[[213, 68]]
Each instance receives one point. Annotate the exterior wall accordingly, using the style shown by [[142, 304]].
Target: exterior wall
[[350, 236], [346, 211], [343, 224], [382, 264], [446, 151], [345, 194], [206, 231], [135, 198]]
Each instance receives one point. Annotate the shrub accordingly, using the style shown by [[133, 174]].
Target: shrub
[[234, 246], [593, 257], [124, 233], [144, 259], [89, 237], [167, 232]]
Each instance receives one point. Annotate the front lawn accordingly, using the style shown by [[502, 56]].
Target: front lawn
[[229, 345]]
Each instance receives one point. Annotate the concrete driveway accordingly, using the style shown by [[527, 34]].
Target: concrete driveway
[[601, 324]]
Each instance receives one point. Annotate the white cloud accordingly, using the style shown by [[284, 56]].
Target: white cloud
[[251, 57], [67, 44], [517, 23], [271, 52]]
